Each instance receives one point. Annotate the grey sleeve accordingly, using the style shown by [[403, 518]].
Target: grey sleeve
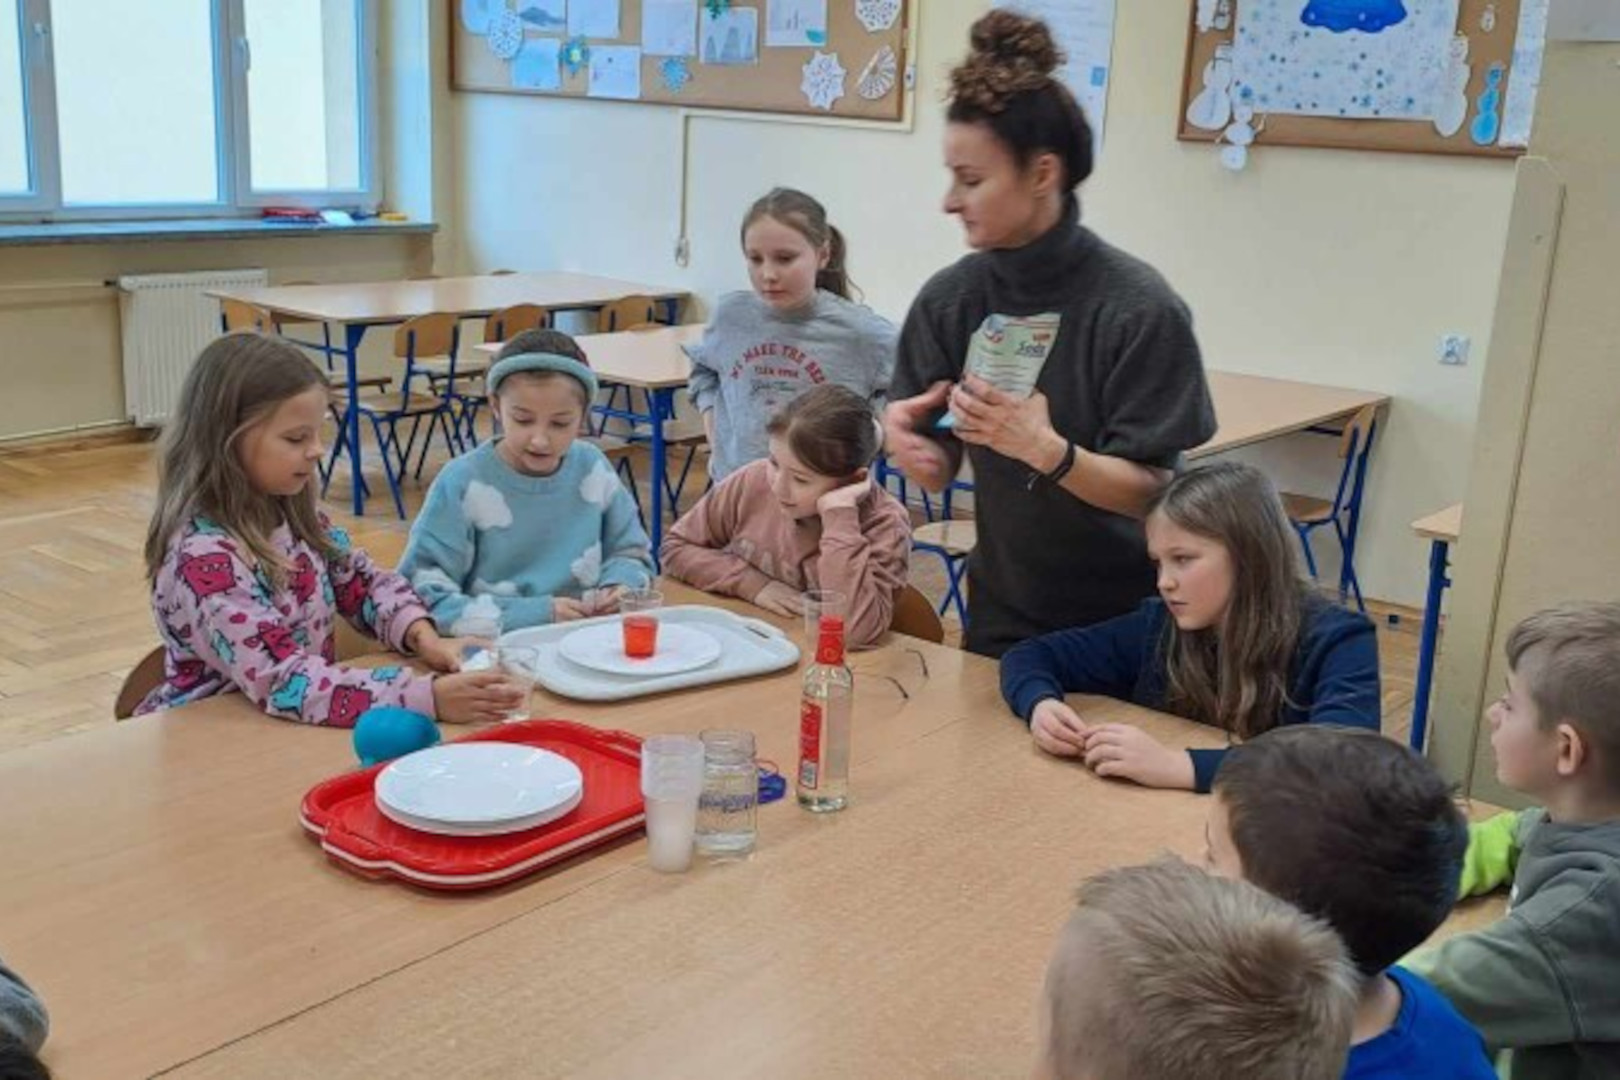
[[885, 343], [703, 386], [927, 349], [1155, 398], [22, 1014]]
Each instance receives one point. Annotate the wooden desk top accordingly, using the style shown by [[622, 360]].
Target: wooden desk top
[[653, 359], [1252, 408], [161, 897], [396, 301], [1442, 525]]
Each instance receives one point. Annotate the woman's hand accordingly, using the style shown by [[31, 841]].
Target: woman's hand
[[1014, 428], [1058, 729], [1132, 754], [778, 599], [921, 458]]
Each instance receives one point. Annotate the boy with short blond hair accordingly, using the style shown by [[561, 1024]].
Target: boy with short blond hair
[[1543, 982], [1165, 971]]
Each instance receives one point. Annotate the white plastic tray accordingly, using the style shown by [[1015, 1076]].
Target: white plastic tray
[[747, 647]]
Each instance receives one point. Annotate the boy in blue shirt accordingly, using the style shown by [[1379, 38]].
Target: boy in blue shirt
[[1362, 833], [533, 518]]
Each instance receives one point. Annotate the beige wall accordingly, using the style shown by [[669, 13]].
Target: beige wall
[[1541, 517], [1322, 265], [60, 359]]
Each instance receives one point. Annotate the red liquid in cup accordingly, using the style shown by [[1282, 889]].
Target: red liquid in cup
[[640, 636]]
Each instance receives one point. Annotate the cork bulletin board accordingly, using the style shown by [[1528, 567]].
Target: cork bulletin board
[[1419, 79], [843, 58]]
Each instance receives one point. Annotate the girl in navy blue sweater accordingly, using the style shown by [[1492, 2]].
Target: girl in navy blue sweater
[[1237, 639]]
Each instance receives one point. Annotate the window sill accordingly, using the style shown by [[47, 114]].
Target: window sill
[[106, 232]]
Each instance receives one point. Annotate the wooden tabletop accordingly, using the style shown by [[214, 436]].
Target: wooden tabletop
[[395, 301], [1442, 525], [1252, 408], [653, 359], [160, 895]]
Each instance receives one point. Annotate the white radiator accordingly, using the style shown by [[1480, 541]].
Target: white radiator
[[166, 321]]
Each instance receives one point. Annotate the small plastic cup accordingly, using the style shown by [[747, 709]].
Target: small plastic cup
[[638, 615], [671, 782], [819, 602], [518, 664]]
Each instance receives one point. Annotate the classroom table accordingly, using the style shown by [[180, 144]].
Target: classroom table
[[655, 362], [1251, 409], [1441, 529], [358, 307], [161, 897]]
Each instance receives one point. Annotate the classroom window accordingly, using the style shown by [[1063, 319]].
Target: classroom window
[[16, 168], [185, 107]]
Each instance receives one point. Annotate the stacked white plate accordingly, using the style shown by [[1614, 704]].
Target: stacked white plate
[[479, 789], [600, 647]]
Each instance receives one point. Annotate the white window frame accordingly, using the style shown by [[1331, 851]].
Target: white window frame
[[233, 168]]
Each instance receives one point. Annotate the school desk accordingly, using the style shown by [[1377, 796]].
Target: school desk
[[355, 308], [1252, 408], [1441, 529], [160, 895]]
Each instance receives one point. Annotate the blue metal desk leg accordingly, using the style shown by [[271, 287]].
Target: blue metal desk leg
[[663, 405], [352, 333], [1439, 553]]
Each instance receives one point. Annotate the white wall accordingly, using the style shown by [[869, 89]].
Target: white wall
[[1330, 266]]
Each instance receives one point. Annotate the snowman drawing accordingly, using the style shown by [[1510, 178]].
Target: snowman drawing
[[1488, 123], [1452, 109], [1212, 108]]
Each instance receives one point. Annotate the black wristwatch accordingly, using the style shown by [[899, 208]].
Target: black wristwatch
[[1065, 466]]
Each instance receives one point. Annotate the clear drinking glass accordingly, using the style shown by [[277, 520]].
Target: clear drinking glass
[[518, 663], [671, 782], [819, 602], [728, 812]]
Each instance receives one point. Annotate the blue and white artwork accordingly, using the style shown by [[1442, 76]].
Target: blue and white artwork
[[1284, 64], [538, 65], [544, 14]]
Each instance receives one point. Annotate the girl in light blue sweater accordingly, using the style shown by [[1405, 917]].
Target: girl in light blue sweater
[[534, 519]]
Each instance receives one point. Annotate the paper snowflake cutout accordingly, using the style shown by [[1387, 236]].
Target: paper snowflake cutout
[[877, 15], [575, 55], [823, 80], [505, 35], [877, 78], [675, 73]]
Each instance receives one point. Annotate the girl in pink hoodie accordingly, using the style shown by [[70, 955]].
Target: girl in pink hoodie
[[806, 517]]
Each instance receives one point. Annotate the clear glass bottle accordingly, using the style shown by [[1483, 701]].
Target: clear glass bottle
[[824, 723], [728, 810]]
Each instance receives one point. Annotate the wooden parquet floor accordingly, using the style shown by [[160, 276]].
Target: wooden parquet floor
[[74, 614]]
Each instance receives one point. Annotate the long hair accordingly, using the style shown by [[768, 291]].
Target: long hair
[[807, 217], [236, 382], [1234, 675], [830, 428]]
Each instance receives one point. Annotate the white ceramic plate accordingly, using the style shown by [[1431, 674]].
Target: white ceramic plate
[[479, 784], [499, 828], [601, 648]]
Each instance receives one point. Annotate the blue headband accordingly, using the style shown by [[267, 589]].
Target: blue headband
[[563, 365]]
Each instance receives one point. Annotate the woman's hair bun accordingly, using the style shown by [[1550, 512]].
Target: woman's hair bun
[[1012, 54]]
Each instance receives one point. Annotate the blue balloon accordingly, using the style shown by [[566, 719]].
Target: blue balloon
[[388, 731]]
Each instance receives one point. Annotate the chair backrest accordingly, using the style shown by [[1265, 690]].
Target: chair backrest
[[511, 321], [426, 335], [626, 312], [142, 680], [914, 615], [1354, 445], [241, 315]]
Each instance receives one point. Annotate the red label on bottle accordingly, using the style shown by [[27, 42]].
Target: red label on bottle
[[809, 744]]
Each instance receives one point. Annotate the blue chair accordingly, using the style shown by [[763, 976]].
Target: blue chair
[[436, 335], [948, 538], [1307, 513]]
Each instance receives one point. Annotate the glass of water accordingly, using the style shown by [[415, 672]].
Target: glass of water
[[728, 810]]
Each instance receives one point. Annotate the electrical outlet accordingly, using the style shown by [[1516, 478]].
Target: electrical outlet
[[1454, 349]]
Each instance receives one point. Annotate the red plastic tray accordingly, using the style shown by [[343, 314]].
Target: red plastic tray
[[342, 814]]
